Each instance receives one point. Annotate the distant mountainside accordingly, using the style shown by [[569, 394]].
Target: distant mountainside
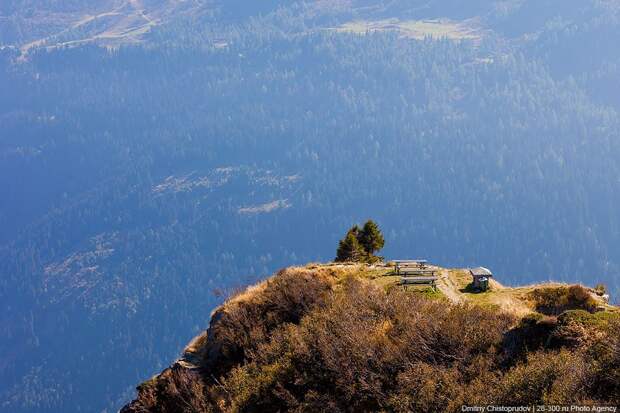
[[145, 175], [28, 24], [348, 338]]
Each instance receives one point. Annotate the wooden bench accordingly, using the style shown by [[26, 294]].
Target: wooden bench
[[418, 281], [416, 271]]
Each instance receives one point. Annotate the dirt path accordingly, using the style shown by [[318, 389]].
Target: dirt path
[[508, 299], [509, 303], [448, 288]]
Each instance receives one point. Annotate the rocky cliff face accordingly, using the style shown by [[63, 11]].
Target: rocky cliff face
[[344, 338]]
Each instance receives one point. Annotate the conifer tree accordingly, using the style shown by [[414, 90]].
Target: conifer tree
[[370, 237], [356, 231], [349, 248]]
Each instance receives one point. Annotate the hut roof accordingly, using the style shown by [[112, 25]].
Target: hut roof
[[481, 272]]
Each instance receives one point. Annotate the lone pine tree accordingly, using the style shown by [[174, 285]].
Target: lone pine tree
[[360, 244], [371, 238], [349, 248]]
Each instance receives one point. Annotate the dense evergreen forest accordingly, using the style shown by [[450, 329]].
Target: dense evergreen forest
[[139, 182]]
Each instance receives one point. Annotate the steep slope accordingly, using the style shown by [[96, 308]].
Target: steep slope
[[331, 338]]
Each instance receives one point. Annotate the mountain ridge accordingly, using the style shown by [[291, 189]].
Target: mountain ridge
[[206, 377]]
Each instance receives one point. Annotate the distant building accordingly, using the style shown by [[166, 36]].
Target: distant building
[[481, 277]]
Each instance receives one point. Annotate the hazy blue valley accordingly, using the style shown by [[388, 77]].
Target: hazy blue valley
[[157, 155]]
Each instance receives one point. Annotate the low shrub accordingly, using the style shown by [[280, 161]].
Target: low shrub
[[605, 358], [544, 378], [175, 390], [354, 350], [556, 300], [532, 334], [239, 326], [600, 289]]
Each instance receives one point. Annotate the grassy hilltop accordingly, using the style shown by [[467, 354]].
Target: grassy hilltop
[[346, 337]]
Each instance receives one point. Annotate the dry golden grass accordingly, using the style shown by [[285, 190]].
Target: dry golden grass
[[337, 272], [516, 300], [196, 345], [387, 281], [340, 271], [246, 295]]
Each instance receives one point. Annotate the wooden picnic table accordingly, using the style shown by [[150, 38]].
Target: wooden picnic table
[[400, 265]]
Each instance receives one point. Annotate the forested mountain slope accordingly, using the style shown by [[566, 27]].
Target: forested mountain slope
[[138, 178]]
